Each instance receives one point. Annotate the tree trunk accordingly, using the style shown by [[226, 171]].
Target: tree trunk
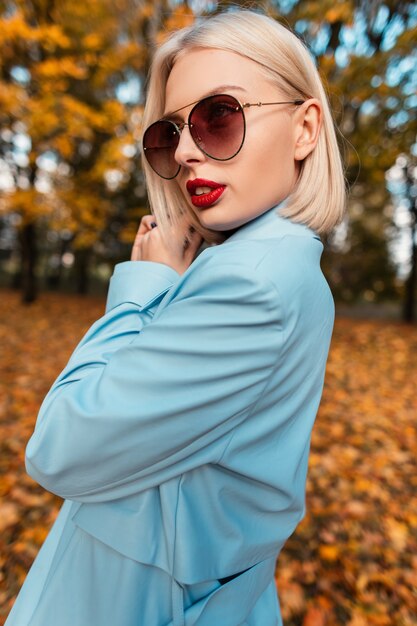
[[54, 274], [28, 246], [411, 283], [82, 262]]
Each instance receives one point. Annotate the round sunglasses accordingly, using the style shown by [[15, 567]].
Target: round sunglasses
[[217, 125]]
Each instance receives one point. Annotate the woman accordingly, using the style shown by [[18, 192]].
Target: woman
[[178, 433]]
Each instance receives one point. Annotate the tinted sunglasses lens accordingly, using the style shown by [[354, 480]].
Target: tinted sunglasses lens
[[160, 142], [218, 126]]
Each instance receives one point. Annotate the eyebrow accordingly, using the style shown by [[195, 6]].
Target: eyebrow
[[218, 90]]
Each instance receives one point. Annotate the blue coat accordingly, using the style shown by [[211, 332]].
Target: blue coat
[[178, 435]]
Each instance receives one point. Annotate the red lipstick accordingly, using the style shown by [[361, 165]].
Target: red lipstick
[[205, 199]]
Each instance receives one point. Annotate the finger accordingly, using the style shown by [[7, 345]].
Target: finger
[[146, 224], [149, 220], [141, 235]]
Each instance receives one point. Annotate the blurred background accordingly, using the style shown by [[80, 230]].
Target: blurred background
[[72, 88], [71, 100]]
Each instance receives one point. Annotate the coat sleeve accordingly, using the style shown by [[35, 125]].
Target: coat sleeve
[[139, 404]]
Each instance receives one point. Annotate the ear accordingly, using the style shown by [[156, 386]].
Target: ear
[[307, 128]]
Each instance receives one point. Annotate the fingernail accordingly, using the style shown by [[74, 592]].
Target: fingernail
[[191, 229], [153, 224]]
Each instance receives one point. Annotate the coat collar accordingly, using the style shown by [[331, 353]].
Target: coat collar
[[270, 225]]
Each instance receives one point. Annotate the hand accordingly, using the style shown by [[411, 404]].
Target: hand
[[179, 252]]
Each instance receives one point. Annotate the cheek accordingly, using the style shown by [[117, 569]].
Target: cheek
[[276, 141], [266, 157]]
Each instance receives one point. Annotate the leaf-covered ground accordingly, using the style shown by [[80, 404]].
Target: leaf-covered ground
[[352, 560]]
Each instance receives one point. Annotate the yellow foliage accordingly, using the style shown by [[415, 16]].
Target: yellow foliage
[[114, 61], [63, 145], [13, 99], [112, 157], [92, 41], [29, 203], [340, 12], [84, 239], [78, 118], [52, 37], [114, 112], [146, 10], [56, 68], [181, 17], [16, 28], [44, 117]]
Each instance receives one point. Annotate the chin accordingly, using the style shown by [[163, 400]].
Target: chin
[[210, 235], [213, 230]]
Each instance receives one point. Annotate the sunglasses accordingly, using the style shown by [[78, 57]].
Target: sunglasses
[[217, 125]]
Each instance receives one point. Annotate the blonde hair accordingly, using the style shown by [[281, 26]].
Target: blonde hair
[[319, 197]]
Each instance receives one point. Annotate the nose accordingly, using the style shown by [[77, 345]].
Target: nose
[[187, 151]]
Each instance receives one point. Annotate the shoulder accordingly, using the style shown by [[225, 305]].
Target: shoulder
[[288, 267], [285, 262]]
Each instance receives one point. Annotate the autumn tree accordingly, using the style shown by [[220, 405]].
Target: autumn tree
[[61, 67]]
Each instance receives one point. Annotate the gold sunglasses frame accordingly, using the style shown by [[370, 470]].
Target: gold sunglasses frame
[[179, 126]]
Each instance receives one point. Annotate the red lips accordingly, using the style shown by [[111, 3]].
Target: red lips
[[205, 199], [201, 182]]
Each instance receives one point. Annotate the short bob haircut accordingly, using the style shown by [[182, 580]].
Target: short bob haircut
[[319, 197]]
